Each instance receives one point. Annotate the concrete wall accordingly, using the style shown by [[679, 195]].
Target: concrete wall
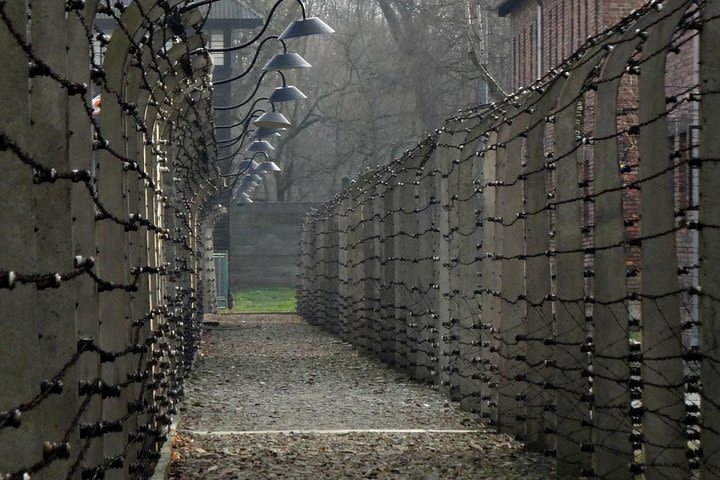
[[263, 240]]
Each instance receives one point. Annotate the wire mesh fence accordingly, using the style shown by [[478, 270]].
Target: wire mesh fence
[[551, 261], [106, 180]]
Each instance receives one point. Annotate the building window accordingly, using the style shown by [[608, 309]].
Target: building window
[[217, 40]]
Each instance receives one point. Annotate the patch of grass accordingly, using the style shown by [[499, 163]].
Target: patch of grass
[[263, 300]]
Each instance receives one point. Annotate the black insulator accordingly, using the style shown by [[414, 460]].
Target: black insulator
[[85, 344], [53, 450], [12, 418], [51, 387]]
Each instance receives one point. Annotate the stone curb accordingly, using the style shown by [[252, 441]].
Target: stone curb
[[162, 469]]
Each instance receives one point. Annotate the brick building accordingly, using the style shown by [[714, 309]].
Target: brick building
[[544, 34]]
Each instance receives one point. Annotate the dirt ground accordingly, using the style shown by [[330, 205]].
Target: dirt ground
[[272, 397]]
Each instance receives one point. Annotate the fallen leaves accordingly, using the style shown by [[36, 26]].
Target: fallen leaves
[[261, 372]]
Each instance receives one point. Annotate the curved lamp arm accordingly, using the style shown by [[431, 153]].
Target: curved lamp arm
[[240, 174], [240, 138], [237, 150], [228, 175], [257, 85], [250, 97], [233, 141], [236, 176], [245, 118], [252, 64], [231, 79], [233, 107]]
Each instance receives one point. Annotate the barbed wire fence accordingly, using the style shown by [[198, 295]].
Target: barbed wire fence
[[103, 265], [551, 261]]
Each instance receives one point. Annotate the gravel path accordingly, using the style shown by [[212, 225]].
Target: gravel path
[[272, 397]]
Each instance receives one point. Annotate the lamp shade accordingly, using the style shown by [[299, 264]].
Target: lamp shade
[[248, 184], [268, 166], [244, 199], [306, 27], [265, 133], [286, 93], [286, 61], [260, 146], [247, 165], [272, 120]]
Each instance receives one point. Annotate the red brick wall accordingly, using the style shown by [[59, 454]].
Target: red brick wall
[[522, 21], [566, 26]]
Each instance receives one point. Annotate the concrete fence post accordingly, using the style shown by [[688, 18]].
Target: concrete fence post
[[81, 157], [404, 244], [427, 313], [304, 294], [335, 299], [512, 378], [451, 309], [467, 238], [19, 250], [610, 319], [356, 318], [490, 281], [539, 400], [709, 277], [371, 266], [571, 388], [381, 219], [442, 251], [663, 396], [344, 265], [56, 329]]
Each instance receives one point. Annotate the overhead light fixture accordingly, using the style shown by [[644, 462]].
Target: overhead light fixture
[[248, 184], [272, 120], [265, 134], [286, 61], [305, 28], [268, 132], [247, 165], [244, 199], [260, 146], [268, 166], [286, 93]]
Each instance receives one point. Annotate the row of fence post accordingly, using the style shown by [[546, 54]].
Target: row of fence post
[[103, 268], [543, 259]]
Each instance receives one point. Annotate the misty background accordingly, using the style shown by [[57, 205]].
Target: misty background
[[394, 70]]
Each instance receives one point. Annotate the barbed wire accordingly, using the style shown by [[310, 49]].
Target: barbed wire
[[161, 149], [502, 260]]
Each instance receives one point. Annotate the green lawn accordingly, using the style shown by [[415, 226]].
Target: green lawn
[[263, 300]]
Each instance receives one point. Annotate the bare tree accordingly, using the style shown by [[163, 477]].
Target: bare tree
[[394, 70]]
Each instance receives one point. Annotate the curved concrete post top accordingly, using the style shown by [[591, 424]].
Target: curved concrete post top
[[131, 27]]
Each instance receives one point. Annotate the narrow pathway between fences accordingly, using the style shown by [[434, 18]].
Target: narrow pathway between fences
[[273, 397]]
